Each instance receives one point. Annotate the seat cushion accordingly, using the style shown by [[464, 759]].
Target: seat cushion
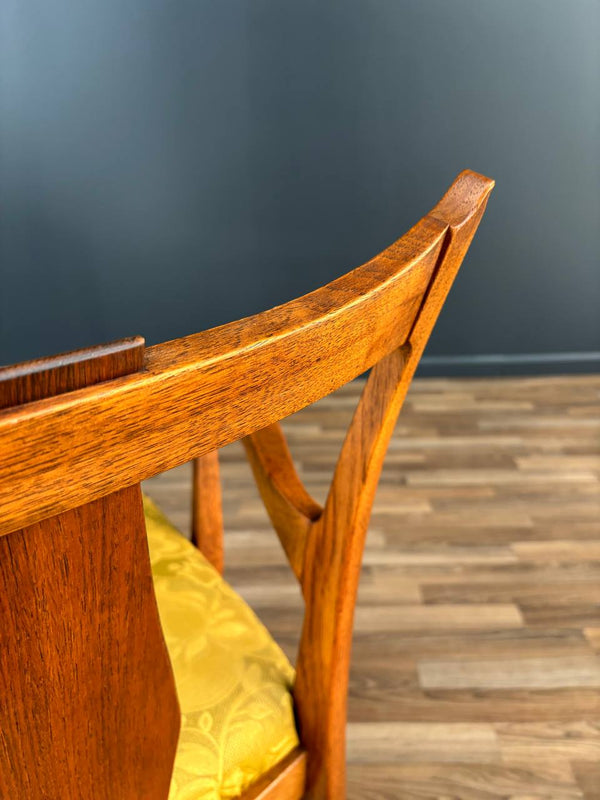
[[233, 681]]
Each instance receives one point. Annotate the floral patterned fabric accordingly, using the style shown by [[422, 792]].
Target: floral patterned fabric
[[233, 681]]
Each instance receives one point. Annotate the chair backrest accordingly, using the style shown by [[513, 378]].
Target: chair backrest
[[87, 695]]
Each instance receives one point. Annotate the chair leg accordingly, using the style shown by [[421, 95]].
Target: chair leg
[[207, 510]]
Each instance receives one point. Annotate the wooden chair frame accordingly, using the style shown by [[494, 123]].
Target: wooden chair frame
[[80, 640]]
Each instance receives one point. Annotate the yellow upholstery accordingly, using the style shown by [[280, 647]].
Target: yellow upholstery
[[233, 681]]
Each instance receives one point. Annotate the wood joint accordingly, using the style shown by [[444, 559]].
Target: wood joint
[[66, 372]]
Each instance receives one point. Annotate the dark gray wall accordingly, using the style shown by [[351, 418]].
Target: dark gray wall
[[170, 165]]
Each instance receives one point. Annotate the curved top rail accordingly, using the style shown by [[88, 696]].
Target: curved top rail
[[203, 391]]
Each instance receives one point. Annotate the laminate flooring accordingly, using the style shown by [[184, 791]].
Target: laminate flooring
[[476, 662]]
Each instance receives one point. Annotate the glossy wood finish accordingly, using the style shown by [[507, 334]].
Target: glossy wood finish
[[198, 393], [207, 511], [476, 659], [201, 392], [48, 377]]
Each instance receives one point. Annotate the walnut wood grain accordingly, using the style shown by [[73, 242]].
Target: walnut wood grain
[[48, 377], [207, 509], [198, 393], [88, 699]]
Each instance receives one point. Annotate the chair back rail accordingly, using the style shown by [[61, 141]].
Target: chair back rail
[[201, 392]]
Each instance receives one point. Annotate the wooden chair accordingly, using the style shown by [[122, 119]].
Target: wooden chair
[[88, 705]]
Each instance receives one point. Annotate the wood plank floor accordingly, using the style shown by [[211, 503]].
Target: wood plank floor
[[476, 663]]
